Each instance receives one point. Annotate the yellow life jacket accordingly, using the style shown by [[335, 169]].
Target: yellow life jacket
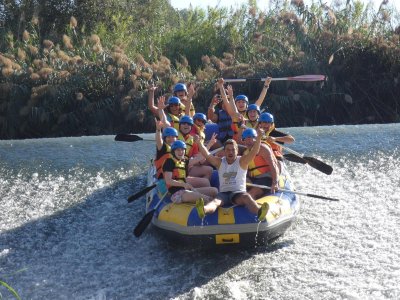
[[174, 120], [179, 171], [189, 141]]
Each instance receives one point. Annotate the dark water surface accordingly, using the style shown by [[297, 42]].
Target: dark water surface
[[66, 227]]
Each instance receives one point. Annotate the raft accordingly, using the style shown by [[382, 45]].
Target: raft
[[228, 226]]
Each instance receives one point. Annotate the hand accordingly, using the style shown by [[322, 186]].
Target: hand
[[271, 139], [151, 88], [215, 100], [260, 132], [161, 102], [213, 140], [191, 90], [196, 139], [274, 186], [220, 82], [230, 91], [267, 81]]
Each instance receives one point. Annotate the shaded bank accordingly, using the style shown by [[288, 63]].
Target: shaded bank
[[91, 84]]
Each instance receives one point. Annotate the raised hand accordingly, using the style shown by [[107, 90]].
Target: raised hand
[[260, 132], [151, 87], [230, 91], [267, 81], [161, 102]]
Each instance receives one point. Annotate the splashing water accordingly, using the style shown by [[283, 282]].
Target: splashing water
[[66, 227]]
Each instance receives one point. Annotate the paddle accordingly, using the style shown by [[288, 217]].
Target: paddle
[[145, 221], [306, 78], [141, 193], [294, 158], [127, 137], [294, 192], [312, 161]]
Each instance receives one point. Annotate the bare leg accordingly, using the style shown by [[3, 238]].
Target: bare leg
[[198, 182], [248, 201], [191, 196], [201, 171], [255, 192], [211, 192], [212, 206]]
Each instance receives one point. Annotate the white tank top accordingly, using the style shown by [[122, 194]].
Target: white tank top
[[232, 177]]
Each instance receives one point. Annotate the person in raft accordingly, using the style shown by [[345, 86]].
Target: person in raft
[[263, 169], [175, 172], [232, 171]]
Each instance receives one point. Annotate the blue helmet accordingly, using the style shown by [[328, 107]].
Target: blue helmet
[[186, 119], [254, 107], [242, 97], [180, 87], [178, 145], [249, 132], [174, 100], [200, 116], [169, 131], [266, 117]]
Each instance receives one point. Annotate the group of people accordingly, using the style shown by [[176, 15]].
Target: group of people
[[247, 138]]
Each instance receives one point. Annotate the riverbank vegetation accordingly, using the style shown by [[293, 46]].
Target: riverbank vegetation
[[71, 68]]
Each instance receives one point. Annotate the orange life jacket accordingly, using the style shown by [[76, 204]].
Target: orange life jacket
[[161, 160], [277, 150], [257, 166]]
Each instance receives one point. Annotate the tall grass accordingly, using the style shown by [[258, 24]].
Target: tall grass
[[96, 83]]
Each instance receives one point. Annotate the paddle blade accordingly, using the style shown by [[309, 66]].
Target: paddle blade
[[319, 165], [143, 223], [124, 137], [322, 197], [141, 193], [308, 78], [294, 158]]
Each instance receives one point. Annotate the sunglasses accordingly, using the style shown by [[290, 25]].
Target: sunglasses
[[173, 104]]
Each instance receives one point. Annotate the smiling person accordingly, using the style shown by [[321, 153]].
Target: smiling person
[[266, 122], [263, 168], [196, 169], [186, 96], [232, 170], [175, 173]]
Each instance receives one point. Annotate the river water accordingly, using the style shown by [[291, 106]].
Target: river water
[[66, 227]]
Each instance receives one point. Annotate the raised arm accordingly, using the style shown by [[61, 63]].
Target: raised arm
[[247, 158], [225, 100], [161, 113], [150, 99], [211, 115], [158, 135], [261, 98], [191, 91], [214, 160]]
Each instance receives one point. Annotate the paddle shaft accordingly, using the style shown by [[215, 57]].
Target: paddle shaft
[[295, 78], [294, 192], [145, 221]]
